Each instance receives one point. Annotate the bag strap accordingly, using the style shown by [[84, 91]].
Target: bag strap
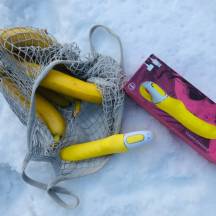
[[108, 30], [29, 180], [51, 189]]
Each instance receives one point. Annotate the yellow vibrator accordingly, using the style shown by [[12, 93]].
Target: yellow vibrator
[[175, 108], [118, 143]]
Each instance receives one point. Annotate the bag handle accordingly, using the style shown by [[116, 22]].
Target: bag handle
[[108, 30], [51, 189]]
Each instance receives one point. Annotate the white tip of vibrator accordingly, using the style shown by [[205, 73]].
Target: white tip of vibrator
[[156, 92], [137, 139]]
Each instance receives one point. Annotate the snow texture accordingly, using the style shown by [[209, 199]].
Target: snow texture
[[166, 178]]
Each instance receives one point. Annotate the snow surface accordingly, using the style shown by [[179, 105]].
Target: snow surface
[[167, 178]]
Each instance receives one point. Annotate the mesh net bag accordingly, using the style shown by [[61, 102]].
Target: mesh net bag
[[20, 50]]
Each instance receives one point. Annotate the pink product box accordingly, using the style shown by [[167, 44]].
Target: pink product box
[[177, 87]]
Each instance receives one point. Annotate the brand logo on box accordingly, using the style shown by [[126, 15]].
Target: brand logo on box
[[132, 86]]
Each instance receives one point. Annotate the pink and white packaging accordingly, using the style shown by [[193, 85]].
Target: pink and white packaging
[[176, 86]]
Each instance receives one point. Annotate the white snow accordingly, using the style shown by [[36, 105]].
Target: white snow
[[167, 178]]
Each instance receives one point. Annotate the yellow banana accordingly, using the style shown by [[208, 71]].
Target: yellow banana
[[50, 115], [70, 86], [46, 111], [118, 143], [54, 97], [175, 108], [24, 37]]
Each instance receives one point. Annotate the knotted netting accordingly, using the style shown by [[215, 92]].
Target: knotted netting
[[26, 57]]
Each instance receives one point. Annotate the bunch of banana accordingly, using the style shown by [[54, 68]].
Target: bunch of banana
[[45, 110], [60, 88], [56, 81]]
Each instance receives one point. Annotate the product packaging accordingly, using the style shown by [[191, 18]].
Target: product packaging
[[177, 104]]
